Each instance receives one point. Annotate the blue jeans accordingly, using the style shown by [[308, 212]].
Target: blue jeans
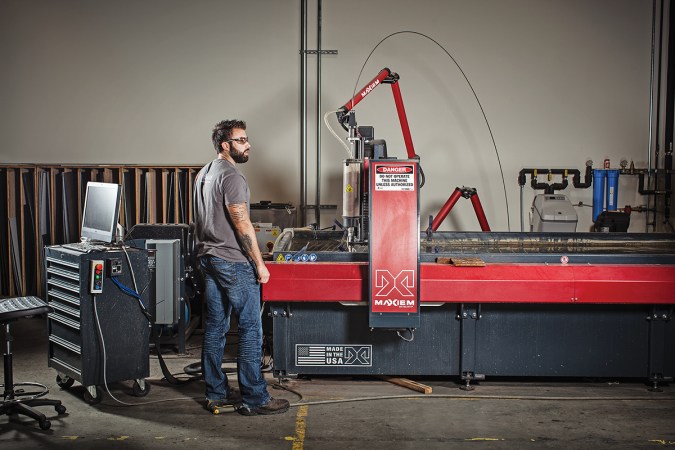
[[232, 287]]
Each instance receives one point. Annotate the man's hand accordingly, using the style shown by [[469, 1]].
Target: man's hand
[[263, 273]]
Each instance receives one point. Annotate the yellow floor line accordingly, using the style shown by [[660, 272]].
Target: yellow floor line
[[300, 427]]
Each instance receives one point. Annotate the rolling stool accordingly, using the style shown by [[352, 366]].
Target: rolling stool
[[18, 401]]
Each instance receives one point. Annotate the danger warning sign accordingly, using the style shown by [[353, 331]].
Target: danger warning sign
[[394, 178]]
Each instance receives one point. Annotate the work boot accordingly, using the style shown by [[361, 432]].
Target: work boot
[[217, 406], [274, 406]]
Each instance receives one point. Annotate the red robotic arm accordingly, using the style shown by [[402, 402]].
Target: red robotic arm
[[385, 76]]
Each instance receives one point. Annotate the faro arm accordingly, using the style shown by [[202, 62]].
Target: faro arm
[[385, 76]]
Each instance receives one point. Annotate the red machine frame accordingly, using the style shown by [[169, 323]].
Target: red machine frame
[[494, 283]]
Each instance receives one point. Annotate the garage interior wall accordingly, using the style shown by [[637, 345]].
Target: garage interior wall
[[129, 82]]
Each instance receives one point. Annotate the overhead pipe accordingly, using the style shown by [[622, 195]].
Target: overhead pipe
[[549, 188], [646, 191], [588, 177], [565, 173]]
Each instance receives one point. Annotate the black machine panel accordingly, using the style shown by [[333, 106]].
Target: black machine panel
[[559, 340], [335, 339], [509, 340], [75, 348]]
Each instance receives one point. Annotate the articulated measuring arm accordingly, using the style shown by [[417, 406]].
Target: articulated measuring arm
[[385, 76], [465, 192]]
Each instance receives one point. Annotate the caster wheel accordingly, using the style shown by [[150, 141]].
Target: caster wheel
[[45, 424], [64, 382], [60, 409], [93, 399], [141, 391]]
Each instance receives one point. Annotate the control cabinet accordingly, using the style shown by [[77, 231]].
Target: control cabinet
[[87, 304], [175, 301]]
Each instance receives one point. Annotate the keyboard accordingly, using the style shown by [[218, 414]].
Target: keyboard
[[12, 308], [83, 247]]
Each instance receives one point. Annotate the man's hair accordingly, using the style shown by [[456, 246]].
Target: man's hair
[[223, 132]]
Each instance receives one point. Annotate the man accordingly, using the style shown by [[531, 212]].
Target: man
[[232, 267]]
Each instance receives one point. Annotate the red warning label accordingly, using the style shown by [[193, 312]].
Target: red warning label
[[394, 178]]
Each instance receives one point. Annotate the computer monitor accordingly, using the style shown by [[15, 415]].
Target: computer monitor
[[101, 212]]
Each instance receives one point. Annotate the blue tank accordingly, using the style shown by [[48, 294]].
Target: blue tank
[[599, 176]]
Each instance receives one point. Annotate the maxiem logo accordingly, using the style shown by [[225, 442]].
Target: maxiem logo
[[369, 88], [394, 169], [396, 302], [390, 285]]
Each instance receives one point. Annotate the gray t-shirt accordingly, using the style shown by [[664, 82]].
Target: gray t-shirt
[[218, 184]]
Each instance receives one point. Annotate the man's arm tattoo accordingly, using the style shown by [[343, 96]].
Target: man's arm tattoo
[[239, 216], [237, 212], [246, 242]]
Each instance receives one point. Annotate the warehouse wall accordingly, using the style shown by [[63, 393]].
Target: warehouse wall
[[143, 82]]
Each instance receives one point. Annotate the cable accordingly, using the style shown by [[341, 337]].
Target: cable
[[325, 120], [105, 370], [125, 289], [412, 335], [494, 144], [286, 388], [133, 294], [480, 397], [131, 269]]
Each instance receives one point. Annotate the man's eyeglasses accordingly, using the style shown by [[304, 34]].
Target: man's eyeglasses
[[241, 140]]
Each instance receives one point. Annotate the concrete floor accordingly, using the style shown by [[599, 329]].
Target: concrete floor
[[345, 413]]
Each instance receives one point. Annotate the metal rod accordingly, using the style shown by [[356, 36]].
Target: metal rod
[[445, 210], [522, 200], [669, 124], [651, 108], [303, 111], [403, 119], [317, 206], [480, 212], [658, 114], [8, 393], [367, 89]]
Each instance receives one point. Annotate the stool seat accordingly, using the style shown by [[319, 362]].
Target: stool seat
[[17, 307], [20, 401]]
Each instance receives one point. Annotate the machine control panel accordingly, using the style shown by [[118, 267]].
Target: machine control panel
[[115, 267], [96, 276]]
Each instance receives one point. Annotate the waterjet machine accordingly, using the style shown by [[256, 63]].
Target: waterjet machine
[[383, 297]]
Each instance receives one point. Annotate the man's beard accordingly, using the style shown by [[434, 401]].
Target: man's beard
[[237, 156]]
